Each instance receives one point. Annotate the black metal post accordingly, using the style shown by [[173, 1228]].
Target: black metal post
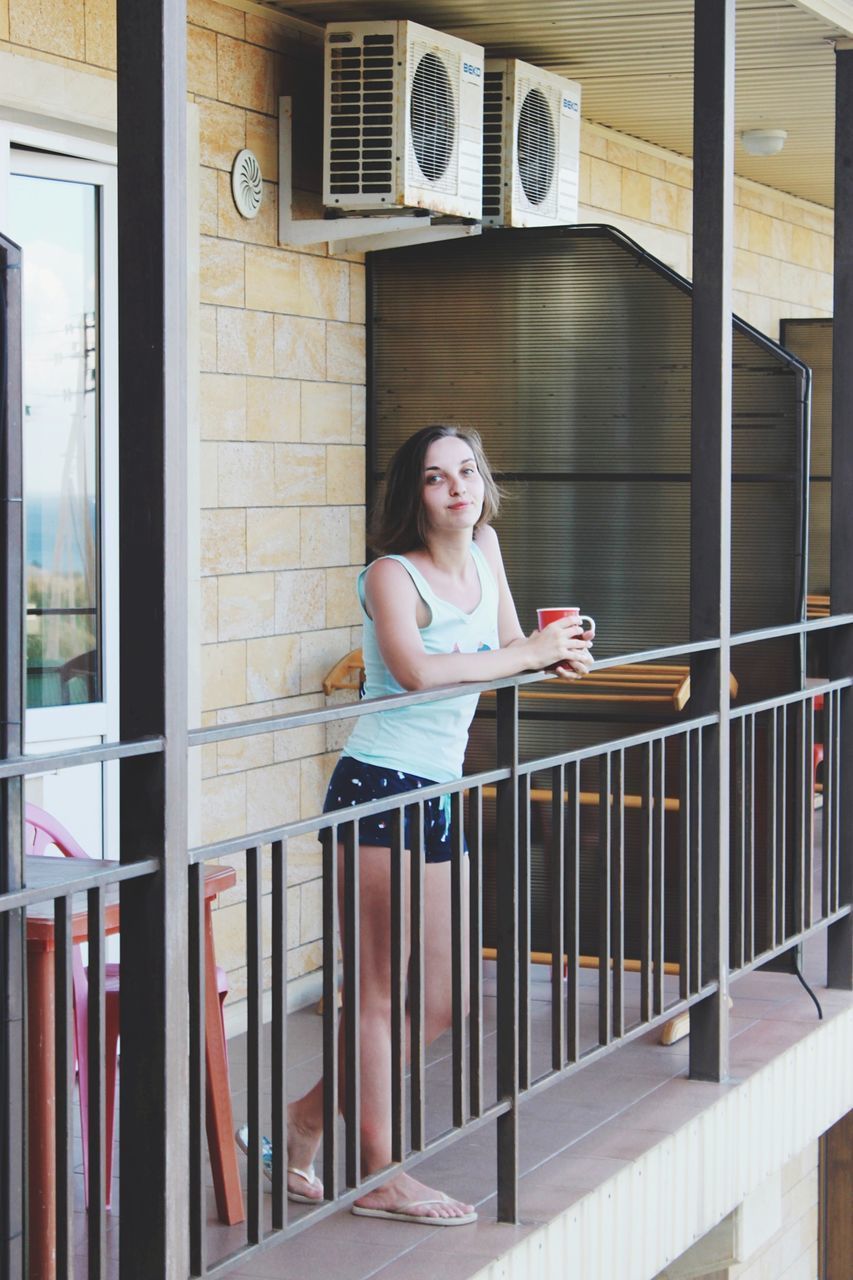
[[12, 955], [710, 493], [152, 242], [840, 936], [508, 952]]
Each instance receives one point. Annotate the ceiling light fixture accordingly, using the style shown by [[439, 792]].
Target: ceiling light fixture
[[763, 142]]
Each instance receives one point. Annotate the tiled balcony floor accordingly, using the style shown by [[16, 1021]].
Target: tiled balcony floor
[[574, 1135]]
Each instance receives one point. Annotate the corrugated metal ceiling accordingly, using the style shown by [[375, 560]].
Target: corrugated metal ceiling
[[634, 60]]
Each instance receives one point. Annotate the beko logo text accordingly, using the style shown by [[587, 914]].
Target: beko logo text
[[569, 104], [471, 70]]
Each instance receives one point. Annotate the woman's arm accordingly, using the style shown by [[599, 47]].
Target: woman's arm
[[576, 655], [393, 604]]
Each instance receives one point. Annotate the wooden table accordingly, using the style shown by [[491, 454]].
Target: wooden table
[[41, 945]]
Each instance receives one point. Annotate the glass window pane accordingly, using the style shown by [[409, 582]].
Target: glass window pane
[[56, 224]]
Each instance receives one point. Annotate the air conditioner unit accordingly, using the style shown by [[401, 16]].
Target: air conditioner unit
[[531, 146], [403, 119]]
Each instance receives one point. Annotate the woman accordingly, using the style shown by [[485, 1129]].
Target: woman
[[437, 610]]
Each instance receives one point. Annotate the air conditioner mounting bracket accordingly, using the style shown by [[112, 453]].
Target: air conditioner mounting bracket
[[359, 234]]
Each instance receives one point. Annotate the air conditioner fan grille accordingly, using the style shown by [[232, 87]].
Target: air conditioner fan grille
[[536, 144], [432, 116]]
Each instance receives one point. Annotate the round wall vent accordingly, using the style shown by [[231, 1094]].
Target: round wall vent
[[537, 146], [247, 183], [432, 115]]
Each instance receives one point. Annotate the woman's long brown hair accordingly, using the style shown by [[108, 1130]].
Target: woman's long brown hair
[[399, 524]]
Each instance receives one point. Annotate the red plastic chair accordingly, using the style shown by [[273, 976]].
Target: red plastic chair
[[43, 832], [817, 749]]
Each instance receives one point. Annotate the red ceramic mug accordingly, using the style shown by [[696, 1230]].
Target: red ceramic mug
[[547, 616]]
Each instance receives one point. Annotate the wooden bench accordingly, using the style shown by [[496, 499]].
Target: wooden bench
[[817, 606]]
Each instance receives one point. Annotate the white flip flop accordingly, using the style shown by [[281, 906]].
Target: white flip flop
[[404, 1213], [311, 1178], [242, 1139]]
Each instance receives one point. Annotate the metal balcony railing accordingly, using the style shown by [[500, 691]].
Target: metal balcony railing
[[783, 888], [781, 891]]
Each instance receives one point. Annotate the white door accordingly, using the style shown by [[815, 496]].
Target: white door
[[61, 210]]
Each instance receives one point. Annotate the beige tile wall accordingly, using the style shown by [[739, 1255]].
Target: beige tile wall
[[282, 401], [282, 436], [70, 31], [783, 245]]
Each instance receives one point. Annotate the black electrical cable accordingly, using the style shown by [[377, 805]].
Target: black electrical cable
[[808, 988]]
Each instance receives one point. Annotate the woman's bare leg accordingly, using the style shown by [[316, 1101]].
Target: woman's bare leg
[[305, 1117], [375, 1014]]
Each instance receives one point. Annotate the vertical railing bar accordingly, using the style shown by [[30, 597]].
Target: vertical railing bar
[[352, 1012], [254, 1048], [198, 1147], [96, 972], [749, 878], [524, 1045], [646, 840], [475, 947], [684, 842], [799, 843], [331, 1068], [604, 941], [511, 957], [558, 924], [772, 834], [398, 992], [458, 961], [828, 796], [782, 828], [808, 903], [278, 1034], [572, 914], [617, 892], [836, 801], [738, 853], [64, 1086], [658, 857], [696, 776], [416, 982]]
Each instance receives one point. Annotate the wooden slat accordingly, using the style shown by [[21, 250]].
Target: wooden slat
[[817, 606], [629, 965], [588, 798]]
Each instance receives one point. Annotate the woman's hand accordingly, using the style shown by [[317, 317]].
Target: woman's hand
[[562, 647]]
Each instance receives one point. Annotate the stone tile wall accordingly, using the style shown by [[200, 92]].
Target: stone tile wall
[[783, 245], [282, 418]]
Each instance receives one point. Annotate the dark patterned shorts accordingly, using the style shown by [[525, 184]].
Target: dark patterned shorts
[[354, 782]]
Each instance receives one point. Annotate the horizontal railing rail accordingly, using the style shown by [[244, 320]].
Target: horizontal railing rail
[[829, 623], [75, 877], [77, 757], [298, 720]]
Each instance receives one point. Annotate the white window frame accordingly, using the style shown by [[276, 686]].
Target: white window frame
[[67, 157]]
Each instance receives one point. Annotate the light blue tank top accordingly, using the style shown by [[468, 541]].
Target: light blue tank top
[[429, 739]]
